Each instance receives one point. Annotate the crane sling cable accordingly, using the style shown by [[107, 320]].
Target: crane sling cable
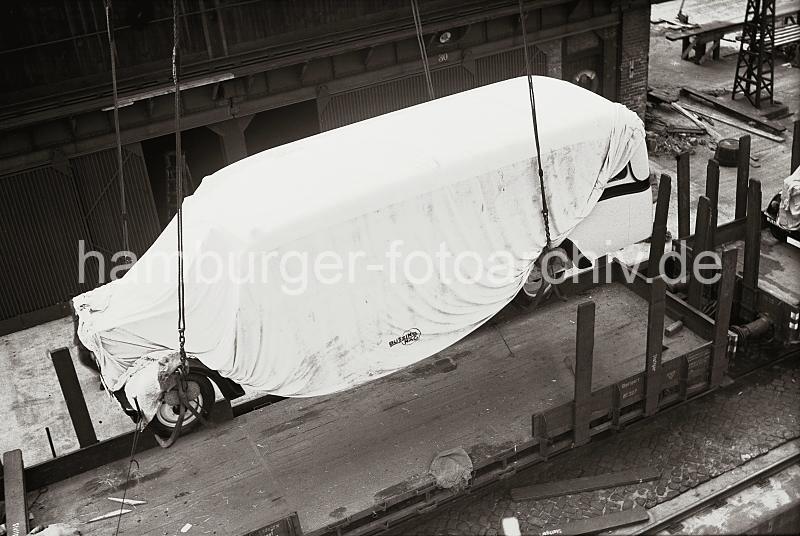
[[140, 419], [180, 374], [422, 50], [112, 49], [545, 212]]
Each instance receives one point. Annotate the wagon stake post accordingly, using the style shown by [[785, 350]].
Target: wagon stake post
[[659, 235], [584, 353], [655, 340], [719, 354]]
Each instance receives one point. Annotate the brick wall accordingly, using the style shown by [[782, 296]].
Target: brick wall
[[634, 50]]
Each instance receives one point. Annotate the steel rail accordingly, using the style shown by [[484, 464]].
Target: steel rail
[[672, 519]]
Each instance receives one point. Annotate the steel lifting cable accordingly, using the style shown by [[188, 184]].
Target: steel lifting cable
[[545, 212], [112, 49], [123, 209], [179, 185], [131, 461], [422, 50]]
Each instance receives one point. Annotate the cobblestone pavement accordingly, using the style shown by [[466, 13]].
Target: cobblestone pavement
[[688, 444]]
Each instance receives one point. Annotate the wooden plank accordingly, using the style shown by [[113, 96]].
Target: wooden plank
[[711, 28], [659, 235], [655, 345], [684, 186], [584, 349], [742, 176], [752, 253], [712, 193], [73, 395], [719, 353], [769, 126], [584, 484], [737, 124], [691, 117], [795, 147], [595, 525], [701, 243], [15, 494]]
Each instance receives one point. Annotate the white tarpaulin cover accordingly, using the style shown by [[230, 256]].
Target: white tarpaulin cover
[[458, 171], [789, 210]]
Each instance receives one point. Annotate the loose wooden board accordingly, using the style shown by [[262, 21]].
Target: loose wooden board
[[588, 483]]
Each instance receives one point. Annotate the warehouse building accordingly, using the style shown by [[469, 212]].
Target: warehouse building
[[255, 74]]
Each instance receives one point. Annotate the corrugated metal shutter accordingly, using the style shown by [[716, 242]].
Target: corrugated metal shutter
[[362, 103], [98, 187], [40, 226], [45, 212], [509, 64]]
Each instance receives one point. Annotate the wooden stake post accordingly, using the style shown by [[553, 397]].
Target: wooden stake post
[[683, 195], [752, 253], [712, 193], [655, 340], [701, 244], [14, 491], [584, 352], [722, 319], [659, 235], [742, 177]]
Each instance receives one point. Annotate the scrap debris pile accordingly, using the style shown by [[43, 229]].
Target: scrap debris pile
[[677, 125], [662, 139]]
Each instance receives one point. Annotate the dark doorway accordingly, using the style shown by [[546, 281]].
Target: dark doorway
[[280, 126], [203, 154]]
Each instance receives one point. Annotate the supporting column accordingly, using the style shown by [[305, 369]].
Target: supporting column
[[552, 50], [234, 146], [610, 58], [584, 352]]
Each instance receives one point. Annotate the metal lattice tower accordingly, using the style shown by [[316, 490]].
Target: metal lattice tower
[[755, 69]]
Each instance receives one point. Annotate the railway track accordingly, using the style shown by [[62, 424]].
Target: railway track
[[670, 520]]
